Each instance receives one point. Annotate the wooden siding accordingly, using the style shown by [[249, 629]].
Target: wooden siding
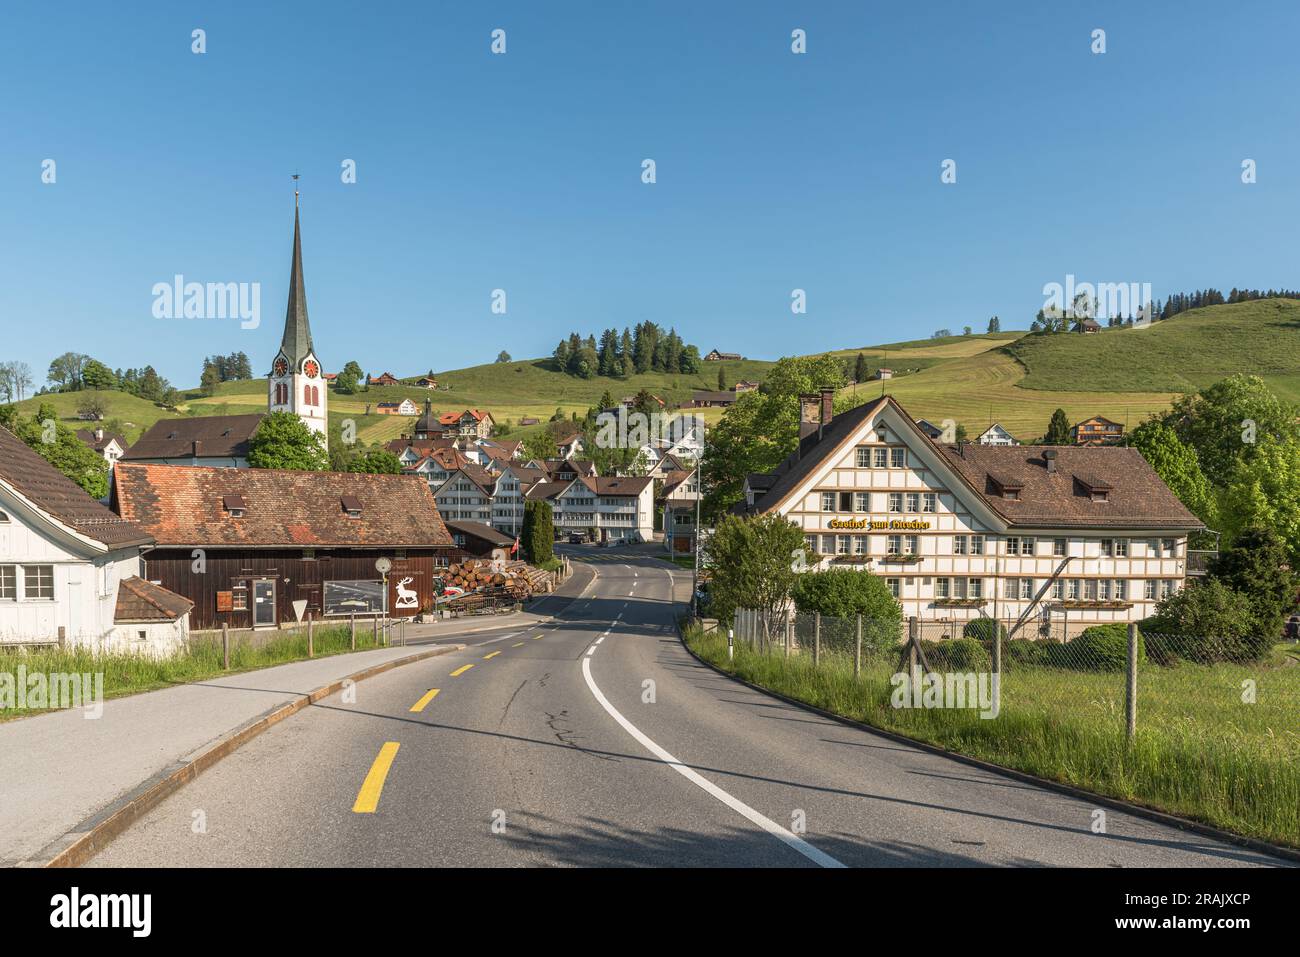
[[295, 577]]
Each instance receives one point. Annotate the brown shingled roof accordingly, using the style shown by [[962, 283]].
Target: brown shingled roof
[[183, 505], [139, 600], [219, 436], [61, 498], [1137, 499]]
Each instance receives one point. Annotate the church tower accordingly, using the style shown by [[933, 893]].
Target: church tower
[[297, 383]]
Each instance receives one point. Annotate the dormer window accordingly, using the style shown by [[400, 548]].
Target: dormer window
[[351, 506], [1007, 488], [1098, 489], [234, 505]]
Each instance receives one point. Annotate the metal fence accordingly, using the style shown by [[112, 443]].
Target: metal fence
[[1110, 675]]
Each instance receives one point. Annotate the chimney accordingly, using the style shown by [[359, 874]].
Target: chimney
[[1049, 459], [195, 448], [828, 405], [809, 417]]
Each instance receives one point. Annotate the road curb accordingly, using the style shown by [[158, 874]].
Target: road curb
[[1116, 804], [92, 835]]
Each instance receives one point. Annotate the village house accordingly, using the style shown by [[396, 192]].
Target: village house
[[482, 541], [384, 378], [744, 386], [678, 498], [929, 428], [260, 548], [569, 444], [1050, 539], [216, 440], [716, 356], [427, 382], [617, 508], [405, 407], [996, 435], [472, 423], [510, 495], [436, 466], [467, 495], [70, 569], [1097, 431], [711, 399], [1089, 326], [108, 444], [883, 373]]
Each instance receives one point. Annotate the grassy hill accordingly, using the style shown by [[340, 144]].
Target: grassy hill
[[509, 390], [1182, 354], [1008, 377]]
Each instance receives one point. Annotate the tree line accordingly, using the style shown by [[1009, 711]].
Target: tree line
[[643, 348]]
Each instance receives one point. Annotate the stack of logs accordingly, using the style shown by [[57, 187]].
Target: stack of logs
[[517, 580]]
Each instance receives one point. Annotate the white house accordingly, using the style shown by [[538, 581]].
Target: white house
[[618, 508], [107, 444], [1054, 539], [466, 495], [69, 567], [996, 435]]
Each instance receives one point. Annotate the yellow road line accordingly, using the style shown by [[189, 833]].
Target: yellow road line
[[462, 669], [493, 655], [517, 644], [373, 785], [423, 702], [537, 637]]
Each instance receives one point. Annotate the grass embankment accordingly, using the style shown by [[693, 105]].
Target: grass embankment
[[1183, 354], [1199, 751], [126, 674]]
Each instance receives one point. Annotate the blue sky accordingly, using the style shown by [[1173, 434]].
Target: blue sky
[[775, 171]]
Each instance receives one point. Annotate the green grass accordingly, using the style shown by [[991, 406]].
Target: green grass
[[1199, 751], [1182, 354], [126, 674]]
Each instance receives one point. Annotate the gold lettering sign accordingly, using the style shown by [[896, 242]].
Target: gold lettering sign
[[878, 525]]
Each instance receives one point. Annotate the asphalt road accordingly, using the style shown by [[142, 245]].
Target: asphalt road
[[546, 747]]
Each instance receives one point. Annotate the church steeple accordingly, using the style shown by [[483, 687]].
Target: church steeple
[[297, 383], [296, 343]]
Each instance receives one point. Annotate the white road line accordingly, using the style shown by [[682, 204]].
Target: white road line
[[502, 638], [740, 807]]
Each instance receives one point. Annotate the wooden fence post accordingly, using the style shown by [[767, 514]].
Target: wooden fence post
[[352, 625], [817, 638], [225, 645], [1131, 685], [857, 651], [311, 638]]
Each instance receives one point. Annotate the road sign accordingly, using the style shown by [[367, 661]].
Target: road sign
[[383, 566]]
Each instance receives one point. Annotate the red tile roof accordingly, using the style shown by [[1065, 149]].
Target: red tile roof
[[142, 601], [183, 506]]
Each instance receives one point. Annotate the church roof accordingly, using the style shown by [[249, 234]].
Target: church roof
[[296, 343]]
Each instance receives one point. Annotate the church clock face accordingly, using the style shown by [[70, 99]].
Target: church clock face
[[311, 369], [280, 366]]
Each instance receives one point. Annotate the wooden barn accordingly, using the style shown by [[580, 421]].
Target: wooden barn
[[258, 548]]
